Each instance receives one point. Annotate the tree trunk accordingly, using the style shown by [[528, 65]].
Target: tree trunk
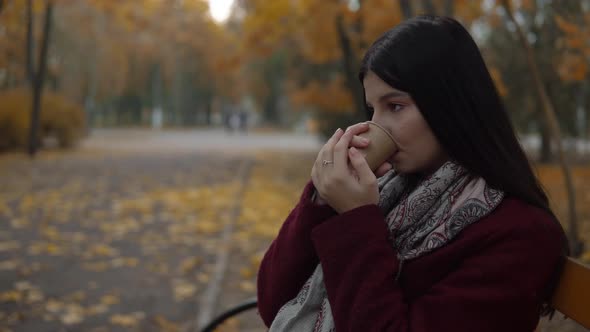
[[576, 246], [581, 110], [581, 120], [156, 93], [360, 26], [449, 8], [545, 151], [208, 110], [406, 8], [428, 7], [40, 79], [350, 69], [270, 109], [29, 44]]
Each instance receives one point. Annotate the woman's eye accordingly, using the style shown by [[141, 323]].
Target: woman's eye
[[395, 107]]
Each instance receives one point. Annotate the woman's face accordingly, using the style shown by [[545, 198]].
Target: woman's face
[[418, 149]]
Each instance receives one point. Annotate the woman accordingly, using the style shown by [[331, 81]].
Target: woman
[[456, 234]]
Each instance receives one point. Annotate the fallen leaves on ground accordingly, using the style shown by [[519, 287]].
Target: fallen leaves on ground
[[144, 226]]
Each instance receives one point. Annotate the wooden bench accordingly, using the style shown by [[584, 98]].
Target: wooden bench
[[571, 297]]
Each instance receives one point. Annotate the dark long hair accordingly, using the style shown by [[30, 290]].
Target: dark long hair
[[437, 62]]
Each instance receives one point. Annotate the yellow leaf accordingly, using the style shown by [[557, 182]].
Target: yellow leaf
[[97, 309], [23, 286], [246, 272], [130, 320], [109, 299], [566, 26], [19, 223], [189, 264], [34, 295], [9, 245], [77, 296], [74, 314], [11, 296], [8, 265], [50, 232], [54, 306], [203, 277], [131, 261], [183, 290], [247, 286], [102, 250], [53, 249], [165, 325]]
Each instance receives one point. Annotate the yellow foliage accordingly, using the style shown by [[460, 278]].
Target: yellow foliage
[[11, 296], [129, 320], [576, 42], [378, 17], [183, 289], [317, 34], [267, 25], [59, 118], [467, 10], [573, 67], [333, 96], [567, 27]]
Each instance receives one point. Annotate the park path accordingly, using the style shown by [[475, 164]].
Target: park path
[[141, 231]]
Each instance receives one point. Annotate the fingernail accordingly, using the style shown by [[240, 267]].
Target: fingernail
[[353, 151], [364, 140], [337, 131]]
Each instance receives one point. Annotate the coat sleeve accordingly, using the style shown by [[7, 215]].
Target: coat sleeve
[[291, 258], [497, 288]]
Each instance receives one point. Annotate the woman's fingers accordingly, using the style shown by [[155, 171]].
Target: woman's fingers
[[383, 169], [335, 137], [341, 151], [359, 142], [358, 128], [341, 148], [359, 163], [326, 153]]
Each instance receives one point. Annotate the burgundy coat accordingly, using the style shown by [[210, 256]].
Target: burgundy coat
[[492, 277]]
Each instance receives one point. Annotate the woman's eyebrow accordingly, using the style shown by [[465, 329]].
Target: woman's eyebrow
[[393, 94]]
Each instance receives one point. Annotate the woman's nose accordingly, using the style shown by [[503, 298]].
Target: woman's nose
[[377, 118]]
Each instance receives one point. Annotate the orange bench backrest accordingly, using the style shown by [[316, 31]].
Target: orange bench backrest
[[572, 295]]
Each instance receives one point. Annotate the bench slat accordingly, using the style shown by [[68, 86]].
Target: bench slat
[[572, 296]]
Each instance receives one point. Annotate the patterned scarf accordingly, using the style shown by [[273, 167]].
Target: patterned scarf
[[422, 215]]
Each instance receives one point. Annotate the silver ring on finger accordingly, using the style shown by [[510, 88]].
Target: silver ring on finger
[[327, 162]]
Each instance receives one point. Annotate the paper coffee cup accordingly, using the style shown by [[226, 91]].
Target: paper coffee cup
[[381, 146]]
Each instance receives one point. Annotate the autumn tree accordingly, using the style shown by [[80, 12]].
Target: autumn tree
[[129, 57], [36, 77], [552, 123]]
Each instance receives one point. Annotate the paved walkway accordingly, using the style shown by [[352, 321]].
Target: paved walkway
[[130, 231], [197, 140]]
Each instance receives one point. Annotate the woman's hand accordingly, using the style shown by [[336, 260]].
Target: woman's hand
[[341, 174], [359, 143], [362, 142]]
